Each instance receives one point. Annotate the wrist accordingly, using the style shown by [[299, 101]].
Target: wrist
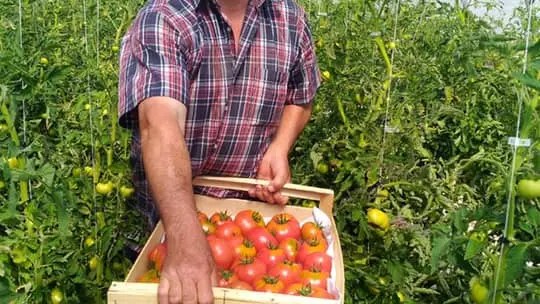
[[280, 147]]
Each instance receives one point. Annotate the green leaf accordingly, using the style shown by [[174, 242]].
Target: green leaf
[[396, 271], [439, 246], [474, 247], [515, 262], [529, 81], [47, 172], [61, 208], [6, 294]]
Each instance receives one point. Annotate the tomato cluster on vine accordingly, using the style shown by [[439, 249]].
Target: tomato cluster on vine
[[280, 256]]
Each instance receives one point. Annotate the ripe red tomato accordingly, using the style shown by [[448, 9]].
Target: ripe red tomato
[[208, 227], [298, 289], [150, 276], [202, 217], [220, 218], [226, 278], [210, 237], [222, 252], [261, 238], [290, 247], [240, 285], [301, 289], [245, 250], [271, 255], [314, 277], [321, 293], [311, 230], [269, 284], [249, 270], [287, 271], [157, 256], [309, 247], [228, 230], [248, 219], [318, 260], [283, 226]]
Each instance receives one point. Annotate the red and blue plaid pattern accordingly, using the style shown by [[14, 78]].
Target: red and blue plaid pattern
[[235, 98]]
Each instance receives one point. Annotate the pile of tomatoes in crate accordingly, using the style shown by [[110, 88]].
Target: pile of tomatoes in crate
[[280, 256]]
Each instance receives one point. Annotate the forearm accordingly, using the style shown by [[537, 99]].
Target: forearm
[[293, 121], [168, 170]]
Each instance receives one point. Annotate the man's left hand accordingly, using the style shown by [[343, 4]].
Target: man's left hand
[[273, 167]]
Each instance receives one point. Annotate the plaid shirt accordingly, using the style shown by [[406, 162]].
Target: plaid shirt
[[185, 49]]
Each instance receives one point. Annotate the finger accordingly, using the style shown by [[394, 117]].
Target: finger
[[280, 199], [252, 192], [163, 291], [259, 193], [204, 290], [280, 179], [213, 277], [268, 197], [175, 291], [189, 291]]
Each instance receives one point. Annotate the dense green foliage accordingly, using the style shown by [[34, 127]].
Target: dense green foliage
[[452, 90]]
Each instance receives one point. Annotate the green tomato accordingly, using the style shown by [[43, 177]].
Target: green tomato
[[13, 162], [89, 241], [126, 192], [57, 296], [2, 184], [3, 128], [479, 292], [104, 188], [115, 48], [528, 188], [44, 61], [18, 256], [326, 75], [478, 236], [378, 218], [322, 168], [93, 263], [76, 172], [88, 170]]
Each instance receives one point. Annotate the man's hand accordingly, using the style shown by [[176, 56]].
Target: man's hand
[[188, 272], [273, 167]]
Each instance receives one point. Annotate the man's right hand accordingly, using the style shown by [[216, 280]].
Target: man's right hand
[[188, 273]]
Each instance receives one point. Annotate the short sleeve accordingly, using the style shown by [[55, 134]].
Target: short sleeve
[[152, 64], [305, 77]]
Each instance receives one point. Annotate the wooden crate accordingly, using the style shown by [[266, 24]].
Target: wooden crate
[[129, 292]]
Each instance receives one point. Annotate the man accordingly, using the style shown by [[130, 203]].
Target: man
[[211, 87]]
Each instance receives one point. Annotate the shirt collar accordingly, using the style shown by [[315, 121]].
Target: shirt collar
[[257, 2]]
